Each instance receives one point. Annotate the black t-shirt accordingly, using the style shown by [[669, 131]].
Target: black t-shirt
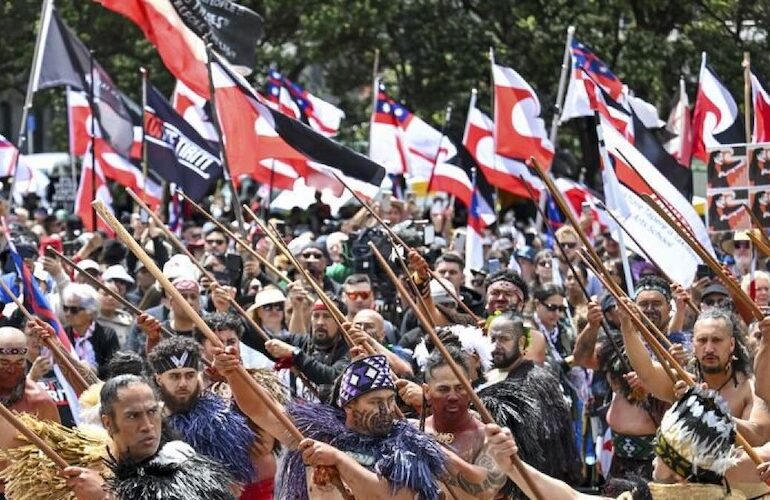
[[50, 383]]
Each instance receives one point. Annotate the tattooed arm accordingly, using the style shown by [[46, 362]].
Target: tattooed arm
[[362, 483], [482, 479]]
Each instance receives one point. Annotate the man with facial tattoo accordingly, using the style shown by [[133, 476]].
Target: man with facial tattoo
[[375, 455], [208, 423], [529, 401], [472, 473], [17, 391]]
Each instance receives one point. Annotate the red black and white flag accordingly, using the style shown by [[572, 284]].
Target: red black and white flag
[[679, 127], [761, 109], [716, 120], [65, 60], [254, 132]]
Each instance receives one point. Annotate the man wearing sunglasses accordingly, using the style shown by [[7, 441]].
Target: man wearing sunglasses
[[313, 257], [215, 242], [357, 294]]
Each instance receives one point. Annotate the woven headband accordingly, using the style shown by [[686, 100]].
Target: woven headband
[[13, 351], [184, 359], [654, 287], [508, 286]]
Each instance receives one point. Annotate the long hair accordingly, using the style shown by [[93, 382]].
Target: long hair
[[741, 360]]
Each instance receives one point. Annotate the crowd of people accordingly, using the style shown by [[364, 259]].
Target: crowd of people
[[235, 374]]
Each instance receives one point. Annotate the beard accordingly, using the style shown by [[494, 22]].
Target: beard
[[323, 340], [504, 359], [175, 404], [713, 369], [12, 389]]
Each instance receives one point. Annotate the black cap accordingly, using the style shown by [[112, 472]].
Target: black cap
[[715, 288]]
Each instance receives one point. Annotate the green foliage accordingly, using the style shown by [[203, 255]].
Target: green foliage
[[432, 52]]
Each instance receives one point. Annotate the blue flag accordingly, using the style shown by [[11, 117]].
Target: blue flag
[[176, 152]]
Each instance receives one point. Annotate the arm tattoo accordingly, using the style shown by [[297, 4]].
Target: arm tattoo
[[494, 480]]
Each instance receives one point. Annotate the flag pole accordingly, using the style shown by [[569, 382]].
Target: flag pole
[[145, 165], [494, 120], [92, 107], [605, 157], [223, 154], [447, 117], [747, 95], [73, 160], [375, 91], [562, 85], [34, 77]]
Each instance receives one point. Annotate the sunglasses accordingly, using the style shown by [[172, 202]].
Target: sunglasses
[[544, 263], [742, 244], [358, 295], [312, 255], [554, 307], [216, 242], [71, 309], [278, 306], [569, 244]]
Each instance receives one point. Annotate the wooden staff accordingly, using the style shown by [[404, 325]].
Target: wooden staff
[[131, 308], [337, 315], [80, 384], [396, 238], [618, 294], [762, 246], [607, 210], [231, 301], [33, 438], [486, 416], [681, 372], [173, 293], [235, 238], [746, 307], [757, 225], [567, 211], [615, 347]]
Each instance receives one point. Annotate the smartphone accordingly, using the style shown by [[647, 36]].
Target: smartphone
[[234, 265], [493, 265], [586, 207], [703, 271], [429, 235], [71, 247], [51, 242], [459, 242]]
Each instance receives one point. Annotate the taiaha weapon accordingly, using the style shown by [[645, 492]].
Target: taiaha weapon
[[173, 293], [131, 308], [615, 347], [235, 238], [607, 210], [746, 307], [618, 294], [230, 300], [397, 239], [337, 315], [672, 362], [80, 384], [562, 203], [274, 407], [486, 416]]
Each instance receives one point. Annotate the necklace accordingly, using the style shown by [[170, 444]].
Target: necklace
[[444, 437]]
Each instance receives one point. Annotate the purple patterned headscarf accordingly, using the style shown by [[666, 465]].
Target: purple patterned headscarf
[[364, 375]]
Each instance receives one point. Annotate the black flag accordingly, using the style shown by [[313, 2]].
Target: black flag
[[66, 61], [232, 29], [176, 152]]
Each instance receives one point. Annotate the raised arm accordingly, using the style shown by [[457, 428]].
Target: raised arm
[[762, 362], [652, 374], [502, 447], [226, 363], [584, 353]]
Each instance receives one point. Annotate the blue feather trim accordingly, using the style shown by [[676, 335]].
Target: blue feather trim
[[406, 457], [217, 431]]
